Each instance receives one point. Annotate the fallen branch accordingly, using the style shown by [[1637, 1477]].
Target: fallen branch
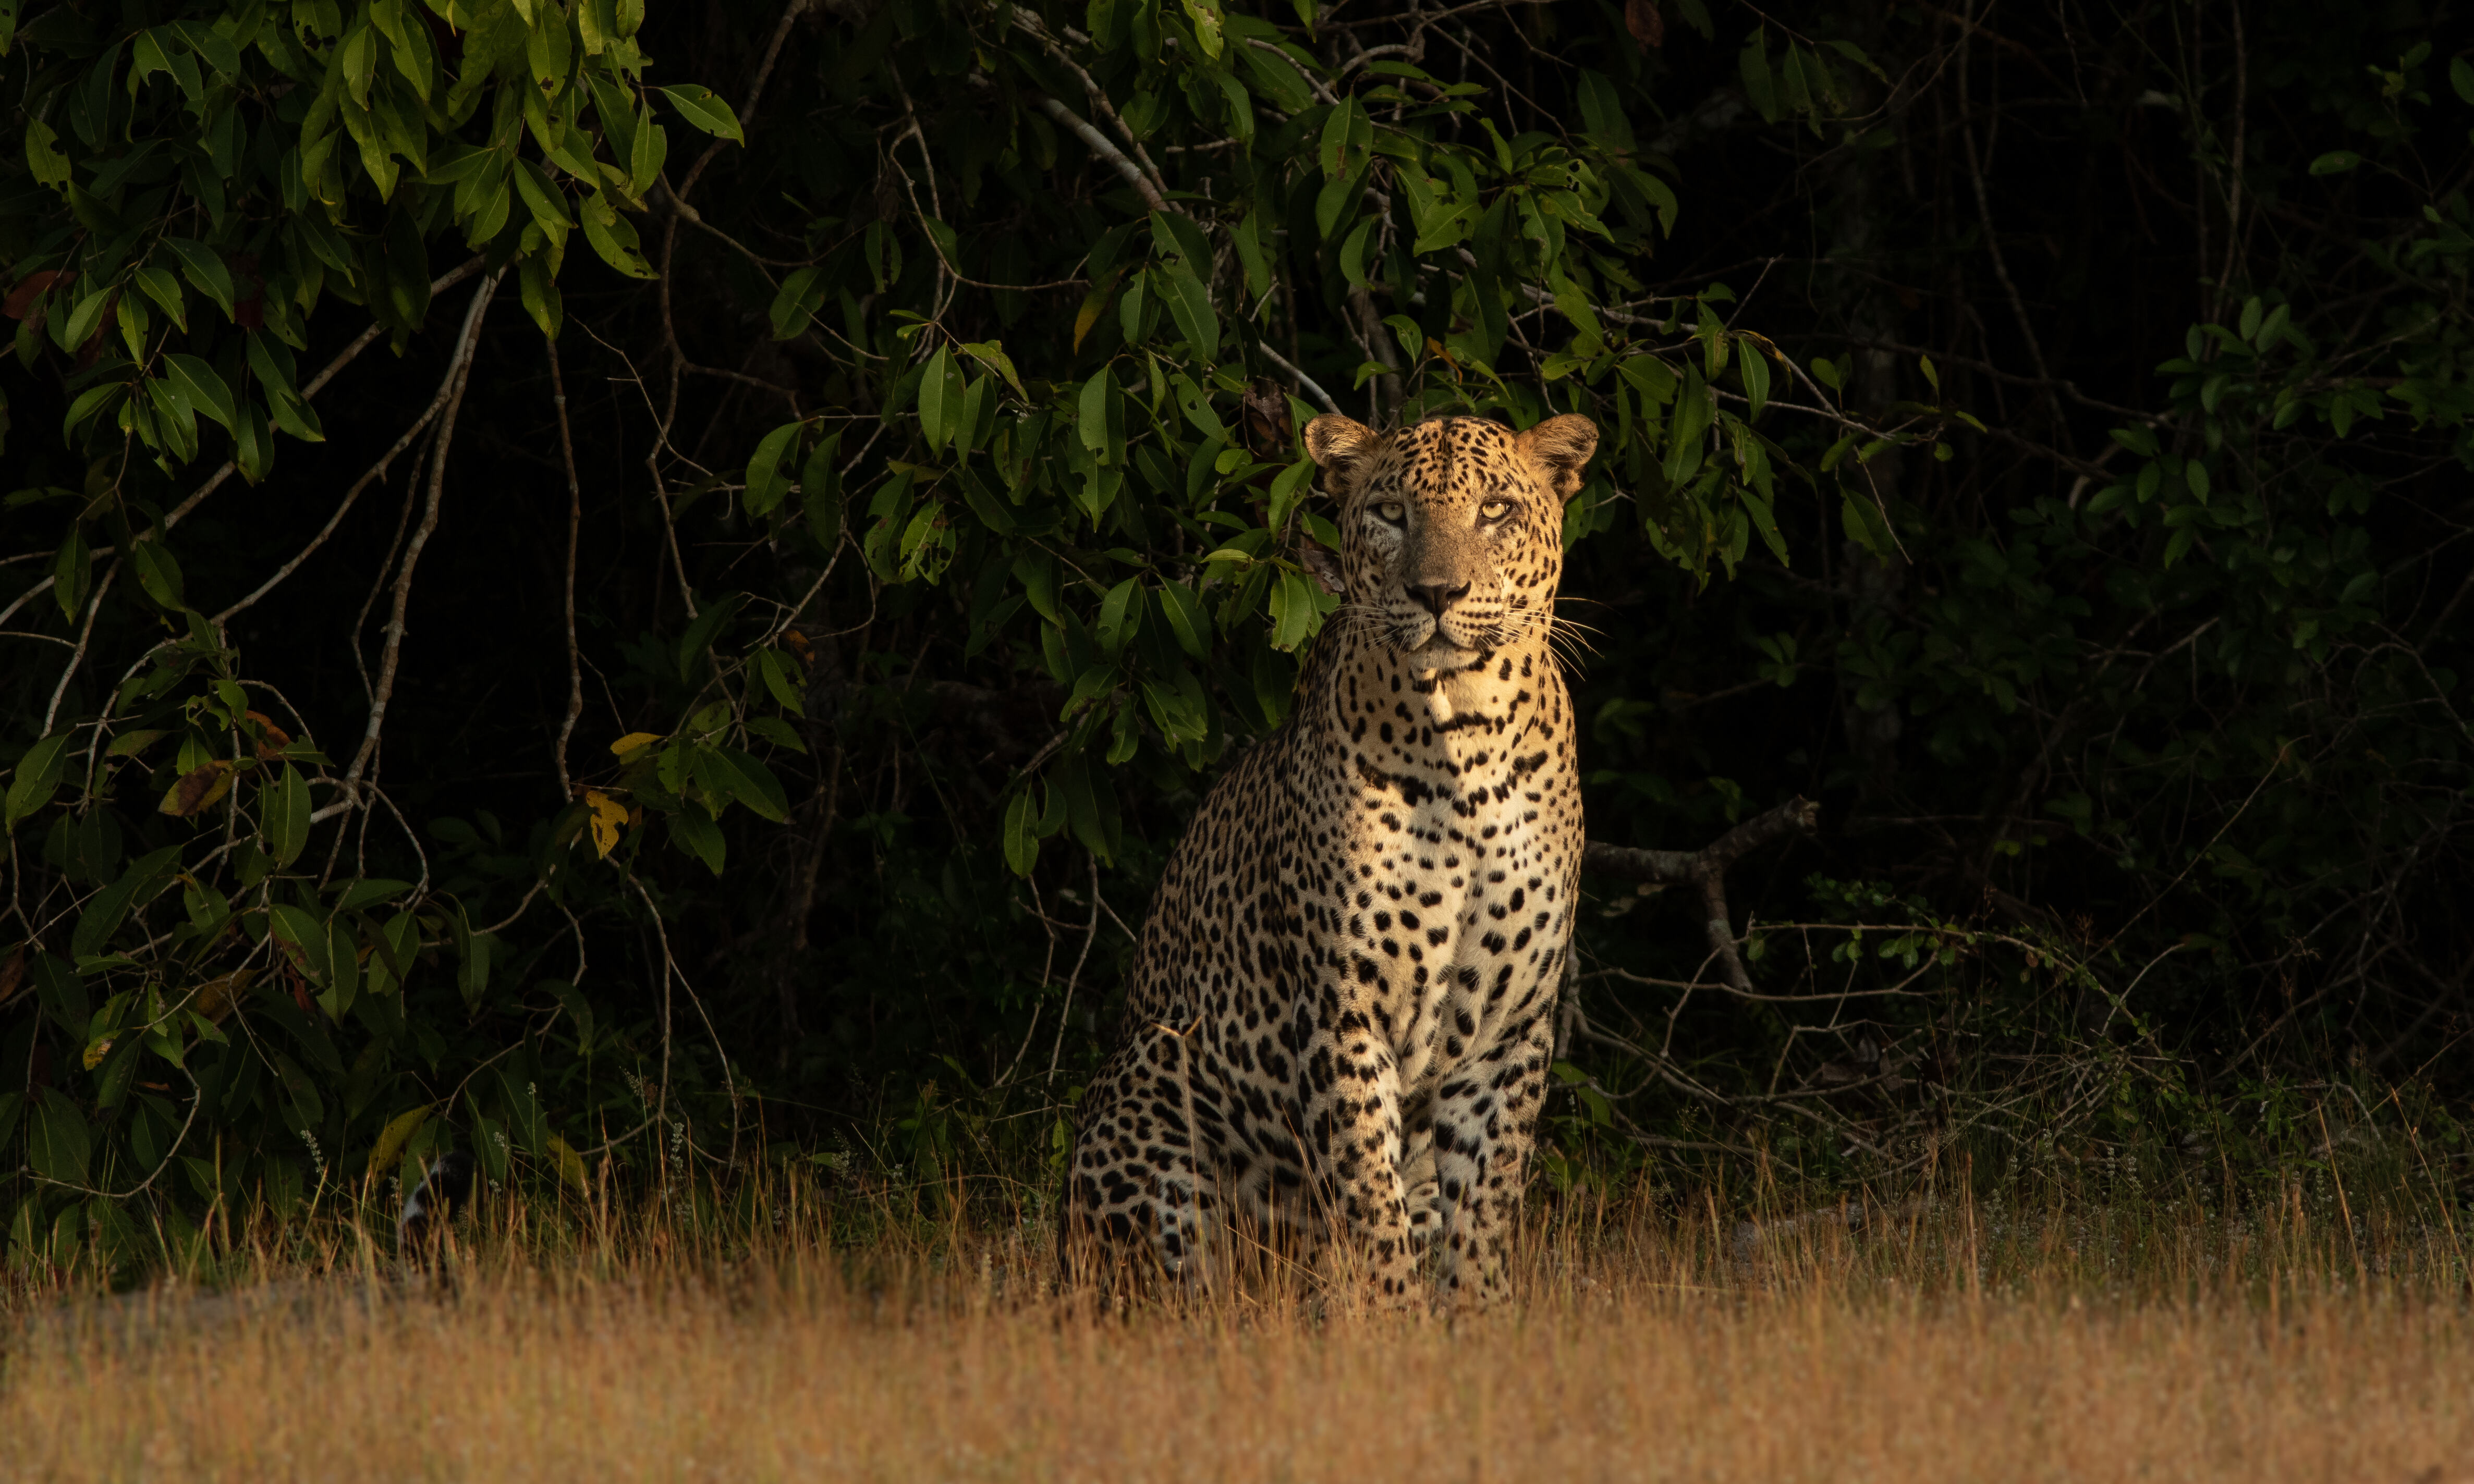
[[1707, 869]]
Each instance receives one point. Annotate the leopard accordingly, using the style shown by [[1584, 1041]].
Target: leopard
[[1338, 1010]]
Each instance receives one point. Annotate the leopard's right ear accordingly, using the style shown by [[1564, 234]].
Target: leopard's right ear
[[1341, 447]]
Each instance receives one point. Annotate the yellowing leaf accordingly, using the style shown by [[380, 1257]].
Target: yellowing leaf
[[633, 741], [571, 1165], [608, 816], [214, 998], [198, 789], [392, 1139], [95, 1053]]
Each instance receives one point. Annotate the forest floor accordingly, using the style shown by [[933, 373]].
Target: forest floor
[[1934, 1341]]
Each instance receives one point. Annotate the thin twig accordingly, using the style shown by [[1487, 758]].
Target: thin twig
[[1064, 1012], [384, 690], [447, 387], [575, 527], [1305, 383], [215, 481]]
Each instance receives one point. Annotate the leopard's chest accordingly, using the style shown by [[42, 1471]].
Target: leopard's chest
[[1460, 840]]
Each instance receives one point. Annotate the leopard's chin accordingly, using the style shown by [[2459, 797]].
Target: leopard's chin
[[1439, 656]]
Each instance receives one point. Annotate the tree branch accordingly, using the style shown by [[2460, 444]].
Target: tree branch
[[574, 525], [395, 629], [1707, 869], [215, 481]]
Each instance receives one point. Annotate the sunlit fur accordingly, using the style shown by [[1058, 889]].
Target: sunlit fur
[[1341, 1005], [1468, 512]]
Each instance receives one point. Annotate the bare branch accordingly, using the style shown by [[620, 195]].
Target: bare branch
[[394, 630], [575, 527], [1707, 869]]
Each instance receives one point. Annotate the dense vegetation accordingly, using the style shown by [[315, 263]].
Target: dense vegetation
[[721, 691]]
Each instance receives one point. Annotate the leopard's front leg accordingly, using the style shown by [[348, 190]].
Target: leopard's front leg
[[1485, 1124], [1353, 1136]]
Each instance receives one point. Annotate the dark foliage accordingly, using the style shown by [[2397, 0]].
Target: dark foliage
[[2039, 437]]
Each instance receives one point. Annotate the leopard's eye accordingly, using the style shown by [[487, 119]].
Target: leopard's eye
[[1391, 511], [1495, 510]]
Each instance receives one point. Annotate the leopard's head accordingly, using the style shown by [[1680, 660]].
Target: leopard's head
[[1452, 530]]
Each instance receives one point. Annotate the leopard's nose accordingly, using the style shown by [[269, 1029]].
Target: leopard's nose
[[1435, 597]]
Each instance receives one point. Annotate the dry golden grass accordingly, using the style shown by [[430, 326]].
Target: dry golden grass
[[1941, 1342]]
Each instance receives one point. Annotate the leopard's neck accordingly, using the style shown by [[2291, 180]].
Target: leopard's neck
[[1471, 719]]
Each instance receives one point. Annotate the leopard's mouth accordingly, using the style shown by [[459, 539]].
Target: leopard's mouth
[[1438, 652]]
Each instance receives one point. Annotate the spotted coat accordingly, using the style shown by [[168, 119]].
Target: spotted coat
[[1338, 1017]]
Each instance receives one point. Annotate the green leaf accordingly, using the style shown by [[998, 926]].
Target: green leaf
[[1189, 303], [158, 574], [543, 201], [307, 937], [204, 269], [2336, 162], [539, 286], [613, 236], [1124, 603], [1755, 368], [86, 319], [1864, 524], [1588, 337], [820, 493], [1101, 422], [751, 783], [1353, 252], [783, 680], [1291, 487], [693, 831], [1021, 835], [700, 634], [940, 399], [56, 1141], [283, 401], [202, 385], [767, 483], [89, 403], [1293, 611], [1188, 617], [71, 569], [283, 814], [110, 907], [699, 106], [43, 156], [36, 779], [165, 289]]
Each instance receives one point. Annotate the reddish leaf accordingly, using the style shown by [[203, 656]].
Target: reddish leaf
[[1642, 20], [12, 973], [1265, 417], [21, 298], [292, 977], [272, 739]]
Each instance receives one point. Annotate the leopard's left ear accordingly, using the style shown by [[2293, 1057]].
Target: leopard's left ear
[[1560, 448]]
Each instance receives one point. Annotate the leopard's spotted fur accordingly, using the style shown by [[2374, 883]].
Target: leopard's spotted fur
[[1340, 1012]]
